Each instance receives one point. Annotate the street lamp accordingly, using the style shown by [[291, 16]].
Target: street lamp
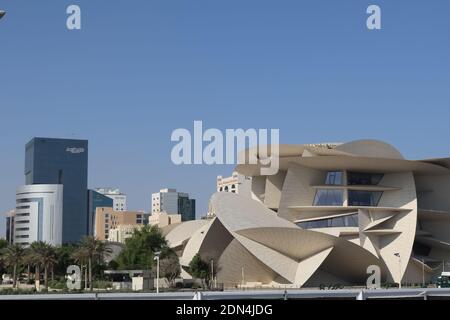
[[212, 272], [157, 270], [423, 272], [399, 269], [2, 13]]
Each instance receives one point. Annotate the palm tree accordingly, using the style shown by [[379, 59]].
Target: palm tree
[[95, 250], [13, 256], [81, 256], [43, 255], [28, 261]]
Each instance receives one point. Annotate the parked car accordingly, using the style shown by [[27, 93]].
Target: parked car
[[7, 279]]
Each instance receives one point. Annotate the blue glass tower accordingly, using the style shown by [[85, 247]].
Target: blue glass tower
[[186, 207], [62, 161], [96, 200]]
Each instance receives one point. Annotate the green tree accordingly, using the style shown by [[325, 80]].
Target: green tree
[[96, 251], [199, 268], [169, 266], [81, 257], [3, 245], [139, 249], [43, 255], [13, 256], [64, 258], [28, 261]]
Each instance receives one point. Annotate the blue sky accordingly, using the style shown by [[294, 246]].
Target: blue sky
[[139, 69]]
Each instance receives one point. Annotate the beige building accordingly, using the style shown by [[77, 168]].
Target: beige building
[[331, 212], [106, 219], [163, 219], [236, 183], [122, 232]]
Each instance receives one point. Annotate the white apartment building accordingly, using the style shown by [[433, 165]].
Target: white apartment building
[[119, 198], [166, 200], [39, 211], [237, 183], [171, 202]]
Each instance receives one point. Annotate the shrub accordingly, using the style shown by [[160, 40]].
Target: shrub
[[102, 284], [59, 285]]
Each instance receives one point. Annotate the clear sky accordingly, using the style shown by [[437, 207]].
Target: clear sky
[[139, 69]]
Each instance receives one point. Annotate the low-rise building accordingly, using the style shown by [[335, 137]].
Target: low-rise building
[[236, 183], [123, 232], [163, 219], [106, 219], [330, 212]]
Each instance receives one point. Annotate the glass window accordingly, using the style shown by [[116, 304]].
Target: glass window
[[334, 178], [344, 221], [329, 197], [361, 178], [25, 214], [23, 207], [364, 198]]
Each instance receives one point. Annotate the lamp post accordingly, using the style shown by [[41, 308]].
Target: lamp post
[[157, 270], [212, 272], [243, 277], [399, 269], [423, 272]]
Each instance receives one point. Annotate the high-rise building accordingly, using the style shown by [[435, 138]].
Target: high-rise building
[[63, 162], [172, 202], [10, 226], [186, 207], [96, 200], [119, 198], [39, 214]]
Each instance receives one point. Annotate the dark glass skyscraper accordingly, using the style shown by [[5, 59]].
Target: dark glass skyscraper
[[96, 200], [62, 161], [186, 207]]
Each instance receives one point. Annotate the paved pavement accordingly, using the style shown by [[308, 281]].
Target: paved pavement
[[354, 294]]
